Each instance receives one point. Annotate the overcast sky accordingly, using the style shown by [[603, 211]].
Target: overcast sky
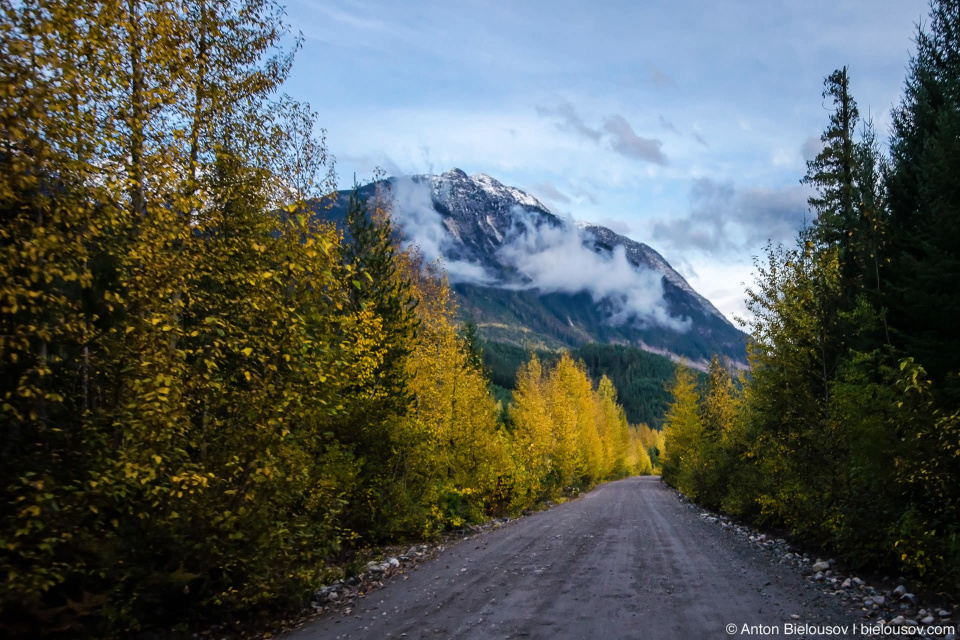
[[683, 124]]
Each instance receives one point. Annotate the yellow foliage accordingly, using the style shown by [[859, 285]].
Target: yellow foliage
[[565, 433]]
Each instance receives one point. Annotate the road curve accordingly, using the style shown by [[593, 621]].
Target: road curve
[[627, 560]]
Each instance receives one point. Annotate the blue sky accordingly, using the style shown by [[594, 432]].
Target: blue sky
[[683, 124]]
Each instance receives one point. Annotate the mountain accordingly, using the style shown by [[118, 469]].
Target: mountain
[[534, 279]]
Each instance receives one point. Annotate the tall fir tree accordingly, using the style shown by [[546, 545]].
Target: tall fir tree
[[924, 193]]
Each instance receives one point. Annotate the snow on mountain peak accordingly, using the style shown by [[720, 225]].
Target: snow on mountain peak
[[499, 190], [454, 174]]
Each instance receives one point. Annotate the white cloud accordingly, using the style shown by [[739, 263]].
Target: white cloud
[[423, 226], [547, 258], [625, 141], [555, 259]]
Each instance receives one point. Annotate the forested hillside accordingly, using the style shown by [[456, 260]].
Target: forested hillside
[[847, 431], [207, 394], [641, 378]]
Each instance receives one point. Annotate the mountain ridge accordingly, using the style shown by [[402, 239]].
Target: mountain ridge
[[529, 277]]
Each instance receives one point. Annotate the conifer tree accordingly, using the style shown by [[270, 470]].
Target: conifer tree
[[924, 277], [370, 253], [832, 173]]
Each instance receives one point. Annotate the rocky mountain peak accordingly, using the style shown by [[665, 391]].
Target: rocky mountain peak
[[524, 273], [454, 174]]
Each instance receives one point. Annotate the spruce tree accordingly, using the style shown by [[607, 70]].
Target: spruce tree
[[370, 254], [924, 278], [832, 172]]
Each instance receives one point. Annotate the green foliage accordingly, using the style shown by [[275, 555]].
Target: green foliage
[[375, 403], [683, 460], [173, 346], [840, 434], [639, 376], [923, 278]]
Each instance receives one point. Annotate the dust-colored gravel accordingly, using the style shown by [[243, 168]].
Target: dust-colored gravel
[[627, 560]]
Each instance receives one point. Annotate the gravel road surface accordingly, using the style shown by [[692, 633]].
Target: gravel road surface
[[627, 560]]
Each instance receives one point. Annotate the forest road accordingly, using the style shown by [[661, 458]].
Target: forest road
[[627, 560]]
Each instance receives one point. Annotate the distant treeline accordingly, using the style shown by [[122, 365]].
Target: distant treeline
[[641, 378], [848, 430], [205, 394]]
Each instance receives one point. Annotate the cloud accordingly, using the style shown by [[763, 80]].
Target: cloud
[[423, 226], [556, 259], [811, 148], [659, 78], [585, 194], [618, 226], [725, 220], [548, 259], [699, 138], [623, 139], [669, 126], [626, 142], [547, 191], [569, 120]]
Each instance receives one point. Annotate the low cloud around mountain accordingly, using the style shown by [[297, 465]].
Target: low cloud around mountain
[[548, 258]]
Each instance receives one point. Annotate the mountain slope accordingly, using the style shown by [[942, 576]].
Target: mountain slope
[[531, 278]]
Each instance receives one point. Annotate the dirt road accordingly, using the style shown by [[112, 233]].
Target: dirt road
[[628, 560]]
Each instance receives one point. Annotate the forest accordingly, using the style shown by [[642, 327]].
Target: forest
[[207, 394], [846, 433], [640, 377]]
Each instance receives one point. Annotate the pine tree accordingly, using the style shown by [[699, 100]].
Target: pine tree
[[924, 277], [832, 173], [370, 255], [471, 338]]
